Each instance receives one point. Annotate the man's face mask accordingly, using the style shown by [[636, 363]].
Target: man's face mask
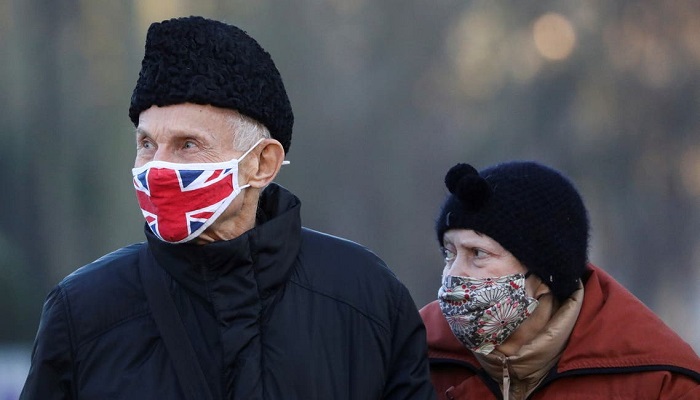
[[483, 313], [180, 201]]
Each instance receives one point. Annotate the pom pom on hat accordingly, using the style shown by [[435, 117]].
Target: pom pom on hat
[[531, 210], [464, 181], [202, 61]]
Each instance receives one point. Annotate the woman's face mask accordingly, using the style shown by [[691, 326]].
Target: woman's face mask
[[180, 201], [483, 313]]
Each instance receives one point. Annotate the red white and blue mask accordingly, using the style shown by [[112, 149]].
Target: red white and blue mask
[[180, 201]]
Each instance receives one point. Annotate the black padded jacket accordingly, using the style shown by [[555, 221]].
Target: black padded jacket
[[280, 312]]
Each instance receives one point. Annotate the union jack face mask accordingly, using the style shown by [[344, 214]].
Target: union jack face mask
[[180, 201], [483, 313]]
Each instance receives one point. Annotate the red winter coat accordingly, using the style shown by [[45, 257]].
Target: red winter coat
[[619, 349]]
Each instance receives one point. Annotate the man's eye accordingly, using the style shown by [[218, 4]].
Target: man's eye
[[190, 144]]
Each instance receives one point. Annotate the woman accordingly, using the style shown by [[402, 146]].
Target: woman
[[521, 313]]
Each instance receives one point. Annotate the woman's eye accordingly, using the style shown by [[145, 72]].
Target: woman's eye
[[449, 255], [478, 253]]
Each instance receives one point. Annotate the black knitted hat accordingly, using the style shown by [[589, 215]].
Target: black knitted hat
[[531, 210], [198, 60]]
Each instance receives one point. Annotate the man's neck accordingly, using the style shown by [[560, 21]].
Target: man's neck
[[238, 218]]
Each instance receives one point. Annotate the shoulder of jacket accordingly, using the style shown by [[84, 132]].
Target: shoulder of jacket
[[343, 258], [604, 324], [350, 273], [104, 293], [103, 270]]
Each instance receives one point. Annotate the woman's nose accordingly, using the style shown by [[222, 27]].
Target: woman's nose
[[459, 266]]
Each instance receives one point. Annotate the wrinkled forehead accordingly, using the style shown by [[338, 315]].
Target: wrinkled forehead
[[203, 122]]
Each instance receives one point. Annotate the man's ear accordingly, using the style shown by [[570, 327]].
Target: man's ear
[[268, 159]]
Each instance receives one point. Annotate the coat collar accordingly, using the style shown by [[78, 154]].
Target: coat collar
[[259, 260], [529, 365]]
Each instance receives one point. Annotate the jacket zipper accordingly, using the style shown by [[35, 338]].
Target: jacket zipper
[[506, 379]]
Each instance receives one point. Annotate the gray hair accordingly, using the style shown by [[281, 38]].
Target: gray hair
[[247, 131]]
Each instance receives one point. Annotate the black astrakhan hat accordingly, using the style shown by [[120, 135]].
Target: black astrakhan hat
[[202, 61], [531, 210]]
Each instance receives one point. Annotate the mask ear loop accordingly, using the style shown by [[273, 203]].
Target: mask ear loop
[[285, 162], [238, 160], [247, 185], [250, 149]]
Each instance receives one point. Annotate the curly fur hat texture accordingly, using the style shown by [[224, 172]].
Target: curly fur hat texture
[[202, 61]]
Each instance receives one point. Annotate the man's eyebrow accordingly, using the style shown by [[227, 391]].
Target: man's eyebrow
[[178, 133]]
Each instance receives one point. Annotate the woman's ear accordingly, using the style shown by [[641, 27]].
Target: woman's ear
[[266, 163], [535, 286], [541, 290]]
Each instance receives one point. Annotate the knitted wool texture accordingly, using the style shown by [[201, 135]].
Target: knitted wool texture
[[531, 210], [201, 61]]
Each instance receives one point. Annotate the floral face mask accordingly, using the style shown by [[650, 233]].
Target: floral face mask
[[483, 313]]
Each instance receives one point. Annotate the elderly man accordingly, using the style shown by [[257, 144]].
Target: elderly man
[[229, 297]]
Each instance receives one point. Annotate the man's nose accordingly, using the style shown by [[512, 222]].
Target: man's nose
[[162, 153]]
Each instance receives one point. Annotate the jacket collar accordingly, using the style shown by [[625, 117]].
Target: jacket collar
[[260, 259], [529, 365]]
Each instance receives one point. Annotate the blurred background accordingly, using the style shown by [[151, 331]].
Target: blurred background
[[387, 96]]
